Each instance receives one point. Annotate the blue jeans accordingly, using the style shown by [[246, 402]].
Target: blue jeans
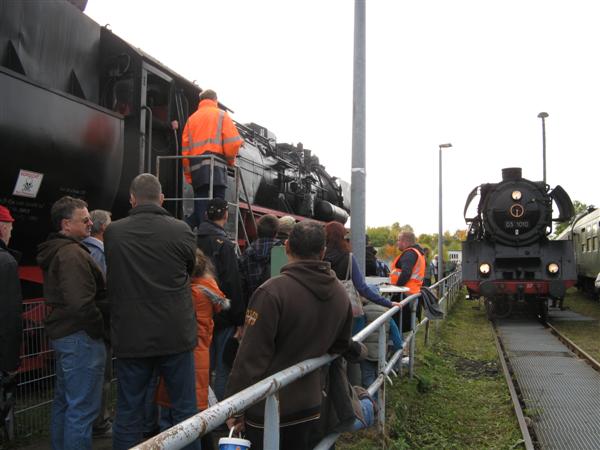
[[368, 413], [369, 372], [80, 364], [198, 216], [134, 375], [221, 369]]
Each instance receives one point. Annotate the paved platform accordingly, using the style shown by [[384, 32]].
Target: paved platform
[[561, 392]]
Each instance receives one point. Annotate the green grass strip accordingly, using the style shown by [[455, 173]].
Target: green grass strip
[[458, 399]]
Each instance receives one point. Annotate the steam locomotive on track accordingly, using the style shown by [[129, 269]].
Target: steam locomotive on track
[[83, 112], [507, 257]]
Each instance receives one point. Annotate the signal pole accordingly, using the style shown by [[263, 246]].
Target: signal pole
[[358, 187]]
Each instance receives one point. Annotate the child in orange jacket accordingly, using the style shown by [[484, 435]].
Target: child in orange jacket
[[208, 300]]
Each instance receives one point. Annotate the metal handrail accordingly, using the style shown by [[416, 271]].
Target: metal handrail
[[191, 429]]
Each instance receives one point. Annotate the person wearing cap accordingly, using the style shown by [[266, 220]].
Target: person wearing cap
[[150, 256], [11, 301], [214, 242], [209, 131], [286, 223], [74, 289], [302, 313]]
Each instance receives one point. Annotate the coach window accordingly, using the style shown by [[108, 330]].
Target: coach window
[[595, 243], [589, 244]]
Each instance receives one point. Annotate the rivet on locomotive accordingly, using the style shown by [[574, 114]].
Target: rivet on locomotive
[[507, 256]]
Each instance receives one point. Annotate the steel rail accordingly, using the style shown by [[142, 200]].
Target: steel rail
[[574, 347]]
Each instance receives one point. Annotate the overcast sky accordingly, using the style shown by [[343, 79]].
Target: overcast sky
[[473, 73]]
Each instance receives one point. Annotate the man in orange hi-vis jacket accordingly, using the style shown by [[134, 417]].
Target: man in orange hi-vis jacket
[[209, 131]]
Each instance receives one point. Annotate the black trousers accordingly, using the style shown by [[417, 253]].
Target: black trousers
[[294, 437]]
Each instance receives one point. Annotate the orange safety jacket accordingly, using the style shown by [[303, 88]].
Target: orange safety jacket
[[415, 281], [209, 129]]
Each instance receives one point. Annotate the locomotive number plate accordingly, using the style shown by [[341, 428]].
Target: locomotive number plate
[[516, 224], [517, 211]]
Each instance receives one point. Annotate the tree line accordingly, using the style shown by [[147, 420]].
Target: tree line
[[384, 239]]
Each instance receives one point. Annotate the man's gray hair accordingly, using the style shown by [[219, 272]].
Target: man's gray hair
[[408, 237], [208, 94], [99, 218], [146, 189]]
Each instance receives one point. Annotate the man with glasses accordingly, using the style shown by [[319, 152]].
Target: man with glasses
[[74, 288]]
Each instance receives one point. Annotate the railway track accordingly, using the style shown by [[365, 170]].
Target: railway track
[[554, 385]]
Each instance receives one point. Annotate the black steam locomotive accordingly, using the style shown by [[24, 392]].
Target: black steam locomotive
[[82, 112], [507, 257]]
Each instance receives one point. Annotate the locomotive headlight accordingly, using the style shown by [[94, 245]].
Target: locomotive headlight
[[485, 269], [516, 195], [553, 268]]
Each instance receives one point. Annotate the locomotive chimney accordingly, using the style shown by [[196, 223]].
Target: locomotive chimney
[[511, 174]]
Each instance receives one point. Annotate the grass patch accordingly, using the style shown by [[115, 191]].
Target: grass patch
[[585, 334], [458, 398]]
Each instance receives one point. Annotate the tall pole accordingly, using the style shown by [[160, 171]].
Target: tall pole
[[543, 116], [358, 135], [440, 229]]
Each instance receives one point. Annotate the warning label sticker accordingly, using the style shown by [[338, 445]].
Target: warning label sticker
[[28, 184]]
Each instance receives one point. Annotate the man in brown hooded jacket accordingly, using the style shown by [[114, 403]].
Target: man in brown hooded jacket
[[302, 313]]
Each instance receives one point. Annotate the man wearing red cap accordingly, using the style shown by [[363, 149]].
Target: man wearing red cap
[[10, 298]]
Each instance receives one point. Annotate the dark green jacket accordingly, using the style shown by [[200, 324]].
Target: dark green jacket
[[149, 257]]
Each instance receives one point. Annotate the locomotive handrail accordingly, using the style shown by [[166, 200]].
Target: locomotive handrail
[[191, 429]]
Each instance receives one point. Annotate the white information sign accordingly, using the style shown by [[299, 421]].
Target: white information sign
[[28, 184]]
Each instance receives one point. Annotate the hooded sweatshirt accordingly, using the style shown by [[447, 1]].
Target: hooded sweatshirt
[[73, 286], [302, 313]]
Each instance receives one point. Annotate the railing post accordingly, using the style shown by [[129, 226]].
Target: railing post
[[413, 341], [400, 321], [382, 347], [271, 436], [426, 332]]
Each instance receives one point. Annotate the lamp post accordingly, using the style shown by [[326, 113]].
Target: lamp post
[[543, 116], [440, 235]]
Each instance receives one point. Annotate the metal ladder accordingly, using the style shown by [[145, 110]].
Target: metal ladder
[[239, 183]]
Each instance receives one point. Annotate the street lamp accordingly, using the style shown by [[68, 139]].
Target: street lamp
[[543, 116], [440, 235]]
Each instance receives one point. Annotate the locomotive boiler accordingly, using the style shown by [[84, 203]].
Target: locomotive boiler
[[507, 256], [83, 112]]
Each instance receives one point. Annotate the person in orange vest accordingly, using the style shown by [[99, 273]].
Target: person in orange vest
[[408, 269], [209, 131]]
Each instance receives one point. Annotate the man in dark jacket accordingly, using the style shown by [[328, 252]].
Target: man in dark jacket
[[74, 291], [10, 299], [215, 243], [302, 313], [150, 256]]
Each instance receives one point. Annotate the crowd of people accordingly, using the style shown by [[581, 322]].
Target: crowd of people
[[179, 311]]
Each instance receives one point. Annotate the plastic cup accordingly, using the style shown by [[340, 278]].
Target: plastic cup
[[231, 443]]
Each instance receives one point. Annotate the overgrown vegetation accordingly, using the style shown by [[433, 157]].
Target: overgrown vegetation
[[384, 238], [585, 334], [458, 399]]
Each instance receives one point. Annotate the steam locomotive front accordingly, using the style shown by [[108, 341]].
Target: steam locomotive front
[[507, 252]]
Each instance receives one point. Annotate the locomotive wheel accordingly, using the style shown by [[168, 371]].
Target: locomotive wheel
[[497, 308]]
